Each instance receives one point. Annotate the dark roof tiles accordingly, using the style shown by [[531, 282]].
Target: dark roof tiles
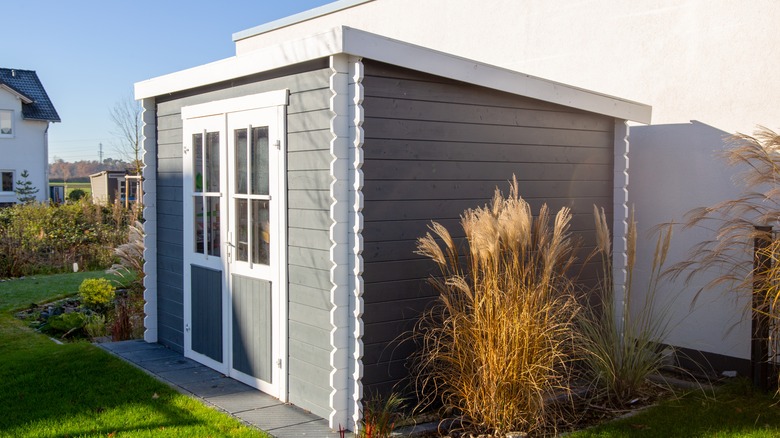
[[26, 82]]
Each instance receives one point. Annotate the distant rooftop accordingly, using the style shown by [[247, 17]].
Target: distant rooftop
[[37, 105]]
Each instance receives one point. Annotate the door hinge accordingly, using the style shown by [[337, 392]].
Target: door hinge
[[278, 144], [278, 363]]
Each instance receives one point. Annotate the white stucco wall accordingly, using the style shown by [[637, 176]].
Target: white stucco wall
[[712, 61], [706, 60], [26, 150]]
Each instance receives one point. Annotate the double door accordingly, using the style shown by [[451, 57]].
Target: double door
[[234, 303]]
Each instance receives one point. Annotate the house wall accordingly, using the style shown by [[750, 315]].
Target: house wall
[[26, 150], [670, 54], [308, 159], [688, 155], [693, 60], [435, 147]]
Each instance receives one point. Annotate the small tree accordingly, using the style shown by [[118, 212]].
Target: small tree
[[25, 190], [126, 117]]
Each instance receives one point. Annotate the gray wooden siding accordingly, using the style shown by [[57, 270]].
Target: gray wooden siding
[[308, 141], [435, 147]]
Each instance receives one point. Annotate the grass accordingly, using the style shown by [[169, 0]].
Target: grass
[[736, 411], [85, 186], [16, 294], [50, 390]]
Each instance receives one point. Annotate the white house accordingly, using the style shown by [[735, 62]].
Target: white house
[[25, 114]]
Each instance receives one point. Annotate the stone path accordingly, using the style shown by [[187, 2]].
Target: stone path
[[213, 388]]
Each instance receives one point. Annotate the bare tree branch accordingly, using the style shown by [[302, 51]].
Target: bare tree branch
[[126, 117]]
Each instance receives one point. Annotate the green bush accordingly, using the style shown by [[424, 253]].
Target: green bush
[[41, 238], [76, 195], [96, 293], [66, 323]]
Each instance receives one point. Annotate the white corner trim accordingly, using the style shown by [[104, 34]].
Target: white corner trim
[[357, 116], [236, 104], [362, 44], [149, 131], [311, 14], [340, 251], [620, 219]]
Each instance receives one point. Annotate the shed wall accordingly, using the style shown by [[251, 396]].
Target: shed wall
[[435, 147], [308, 139]]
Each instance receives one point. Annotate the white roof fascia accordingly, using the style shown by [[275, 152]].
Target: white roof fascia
[[377, 47], [293, 52], [363, 44], [17, 94], [298, 18]]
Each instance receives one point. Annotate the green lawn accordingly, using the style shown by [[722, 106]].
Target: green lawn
[[736, 410], [20, 293], [50, 390]]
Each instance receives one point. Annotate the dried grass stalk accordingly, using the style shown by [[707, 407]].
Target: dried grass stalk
[[498, 342]]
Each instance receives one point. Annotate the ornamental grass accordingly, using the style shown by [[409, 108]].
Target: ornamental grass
[[498, 344]]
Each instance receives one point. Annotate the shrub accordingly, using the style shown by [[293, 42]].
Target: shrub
[[621, 347], [41, 238], [498, 341], [96, 293], [95, 325], [66, 323], [76, 194]]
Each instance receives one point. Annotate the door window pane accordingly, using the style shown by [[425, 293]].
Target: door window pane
[[212, 221], [241, 165], [197, 161], [242, 230], [212, 162], [260, 161], [197, 202], [260, 232]]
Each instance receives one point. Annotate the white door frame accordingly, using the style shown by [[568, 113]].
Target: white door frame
[[214, 115]]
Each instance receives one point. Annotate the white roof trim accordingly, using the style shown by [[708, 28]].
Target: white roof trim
[[298, 18], [363, 44], [19, 95]]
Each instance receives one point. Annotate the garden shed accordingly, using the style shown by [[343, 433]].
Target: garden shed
[[285, 189]]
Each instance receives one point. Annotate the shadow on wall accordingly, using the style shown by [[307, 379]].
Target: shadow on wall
[[673, 169]]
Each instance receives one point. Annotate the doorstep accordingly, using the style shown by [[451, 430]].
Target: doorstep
[[213, 388]]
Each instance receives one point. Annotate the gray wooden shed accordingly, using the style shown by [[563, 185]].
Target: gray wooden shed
[[285, 188]]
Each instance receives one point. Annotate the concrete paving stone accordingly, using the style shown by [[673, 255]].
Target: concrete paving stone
[[198, 373], [167, 364], [243, 401], [133, 345], [276, 417], [312, 429], [139, 356], [216, 387]]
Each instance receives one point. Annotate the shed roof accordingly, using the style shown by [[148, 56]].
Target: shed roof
[[355, 42], [25, 84]]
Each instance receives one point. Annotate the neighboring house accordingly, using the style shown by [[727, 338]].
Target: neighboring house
[[109, 186], [707, 67], [285, 189], [25, 114]]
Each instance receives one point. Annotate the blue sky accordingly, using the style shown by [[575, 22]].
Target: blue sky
[[89, 53]]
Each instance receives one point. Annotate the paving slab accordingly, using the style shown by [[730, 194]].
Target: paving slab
[[243, 401], [249, 405], [276, 417], [197, 373]]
